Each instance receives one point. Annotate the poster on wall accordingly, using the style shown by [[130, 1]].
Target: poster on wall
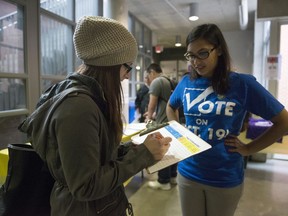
[[273, 67]]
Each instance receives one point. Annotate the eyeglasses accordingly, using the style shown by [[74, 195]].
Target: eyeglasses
[[200, 55], [128, 67]]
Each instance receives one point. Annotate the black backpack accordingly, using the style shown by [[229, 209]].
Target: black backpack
[[28, 185]]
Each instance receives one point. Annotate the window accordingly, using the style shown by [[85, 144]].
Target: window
[[62, 8], [26, 68], [13, 98], [33, 58], [12, 87], [143, 37], [56, 50], [58, 20], [88, 7], [147, 40]]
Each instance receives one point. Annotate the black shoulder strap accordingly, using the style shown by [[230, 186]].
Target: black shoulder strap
[[171, 84], [50, 106]]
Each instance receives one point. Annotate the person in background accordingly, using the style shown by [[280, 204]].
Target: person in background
[[80, 138], [142, 99], [159, 93], [215, 101]]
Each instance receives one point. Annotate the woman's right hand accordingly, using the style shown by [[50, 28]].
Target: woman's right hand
[[157, 145]]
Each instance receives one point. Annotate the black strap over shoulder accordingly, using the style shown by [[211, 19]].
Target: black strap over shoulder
[[51, 104], [172, 87]]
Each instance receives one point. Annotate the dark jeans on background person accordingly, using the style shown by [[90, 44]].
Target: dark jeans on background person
[[165, 174]]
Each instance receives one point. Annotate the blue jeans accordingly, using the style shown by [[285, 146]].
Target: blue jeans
[[165, 174]]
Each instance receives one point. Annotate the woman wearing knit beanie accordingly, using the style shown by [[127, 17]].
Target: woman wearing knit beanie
[[77, 126]]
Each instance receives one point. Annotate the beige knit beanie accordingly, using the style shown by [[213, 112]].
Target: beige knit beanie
[[103, 41]]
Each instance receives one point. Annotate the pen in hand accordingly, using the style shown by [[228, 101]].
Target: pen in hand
[[158, 136], [157, 145]]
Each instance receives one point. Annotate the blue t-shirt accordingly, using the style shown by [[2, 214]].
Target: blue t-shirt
[[212, 117]]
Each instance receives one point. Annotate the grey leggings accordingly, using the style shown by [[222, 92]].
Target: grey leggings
[[203, 200]]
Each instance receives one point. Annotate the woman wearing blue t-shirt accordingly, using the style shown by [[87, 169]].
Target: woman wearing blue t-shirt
[[215, 101]]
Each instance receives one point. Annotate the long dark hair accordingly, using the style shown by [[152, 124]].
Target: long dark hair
[[212, 34], [109, 79]]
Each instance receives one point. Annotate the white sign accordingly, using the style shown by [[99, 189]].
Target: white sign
[[273, 67]]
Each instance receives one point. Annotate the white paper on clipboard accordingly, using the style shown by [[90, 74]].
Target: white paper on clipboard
[[184, 144]]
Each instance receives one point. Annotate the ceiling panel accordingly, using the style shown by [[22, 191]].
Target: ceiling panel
[[168, 18]]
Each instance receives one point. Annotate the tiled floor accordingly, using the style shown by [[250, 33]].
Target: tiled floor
[[265, 193]]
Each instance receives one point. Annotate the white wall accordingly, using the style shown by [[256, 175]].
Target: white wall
[[241, 48], [240, 45]]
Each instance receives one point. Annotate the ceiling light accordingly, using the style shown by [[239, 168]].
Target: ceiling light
[[193, 12], [178, 41], [243, 14]]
